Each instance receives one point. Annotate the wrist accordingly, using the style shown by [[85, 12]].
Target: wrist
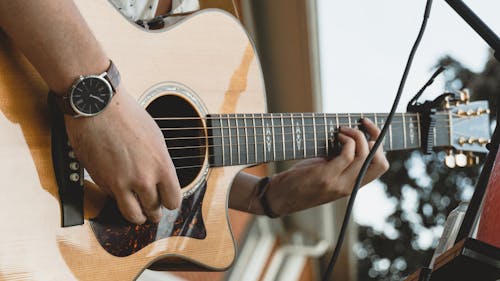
[[61, 83], [261, 191]]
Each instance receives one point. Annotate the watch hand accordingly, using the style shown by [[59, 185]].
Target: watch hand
[[97, 98]]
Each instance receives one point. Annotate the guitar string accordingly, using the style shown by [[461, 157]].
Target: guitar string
[[260, 136], [233, 116], [276, 116], [304, 154], [276, 126]]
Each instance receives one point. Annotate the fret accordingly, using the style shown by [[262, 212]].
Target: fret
[[321, 135], [288, 139], [332, 128], [237, 139], [222, 139], [274, 138], [309, 135], [326, 134], [387, 138], [411, 140], [397, 132], [283, 136], [255, 138], [292, 135], [230, 140], [215, 142], [298, 136], [263, 137], [315, 140], [242, 142], [419, 133], [247, 152], [303, 134], [404, 130], [337, 125], [435, 137], [349, 119], [233, 135], [279, 153], [250, 132], [390, 136]]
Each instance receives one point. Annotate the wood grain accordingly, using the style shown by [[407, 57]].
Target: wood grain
[[209, 52]]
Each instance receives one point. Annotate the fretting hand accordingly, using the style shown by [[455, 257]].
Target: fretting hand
[[317, 181]]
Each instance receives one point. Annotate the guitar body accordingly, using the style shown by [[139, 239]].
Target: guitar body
[[209, 58]]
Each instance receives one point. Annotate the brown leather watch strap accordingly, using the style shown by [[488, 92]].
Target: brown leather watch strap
[[112, 76]]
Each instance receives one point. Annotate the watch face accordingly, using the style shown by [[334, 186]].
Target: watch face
[[90, 95]]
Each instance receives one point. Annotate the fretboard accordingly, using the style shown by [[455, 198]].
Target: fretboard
[[239, 139]]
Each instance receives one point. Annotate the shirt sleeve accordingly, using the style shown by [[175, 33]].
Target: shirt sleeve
[[136, 9]]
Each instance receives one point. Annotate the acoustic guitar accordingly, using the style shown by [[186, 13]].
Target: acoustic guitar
[[202, 83]]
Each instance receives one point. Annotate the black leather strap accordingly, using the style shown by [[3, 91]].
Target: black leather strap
[[262, 186], [67, 169], [112, 75]]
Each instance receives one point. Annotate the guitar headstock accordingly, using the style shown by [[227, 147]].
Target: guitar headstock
[[469, 133]]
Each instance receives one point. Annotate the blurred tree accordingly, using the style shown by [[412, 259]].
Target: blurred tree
[[424, 192]]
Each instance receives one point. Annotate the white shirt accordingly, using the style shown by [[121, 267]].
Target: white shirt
[[146, 9]]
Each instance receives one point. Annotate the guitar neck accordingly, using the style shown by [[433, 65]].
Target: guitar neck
[[241, 139]]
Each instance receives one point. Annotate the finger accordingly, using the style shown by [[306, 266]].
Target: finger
[[346, 156], [360, 141], [130, 208], [170, 195], [371, 128], [378, 166], [150, 201], [169, 187]]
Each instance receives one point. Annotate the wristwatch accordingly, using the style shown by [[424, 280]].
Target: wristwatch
[[90, 94]]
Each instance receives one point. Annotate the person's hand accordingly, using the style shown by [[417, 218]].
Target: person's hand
[[125, 154], [317, 181]]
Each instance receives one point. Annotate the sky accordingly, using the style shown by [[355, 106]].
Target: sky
[[364, 46]]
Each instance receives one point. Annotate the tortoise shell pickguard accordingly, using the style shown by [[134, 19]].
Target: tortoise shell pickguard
[[121, 238]]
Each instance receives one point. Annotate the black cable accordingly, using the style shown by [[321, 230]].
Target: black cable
[[413, 101], [370, 156]]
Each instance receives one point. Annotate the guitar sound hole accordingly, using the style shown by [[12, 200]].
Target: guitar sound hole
[[184, 135]]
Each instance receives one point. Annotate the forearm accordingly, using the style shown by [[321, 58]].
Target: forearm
[[55, 39], [243, 195]]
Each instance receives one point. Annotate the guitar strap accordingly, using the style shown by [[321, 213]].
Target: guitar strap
[[67, 169]]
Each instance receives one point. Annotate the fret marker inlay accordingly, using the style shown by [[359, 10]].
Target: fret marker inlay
[[298, 136], [269, 140]]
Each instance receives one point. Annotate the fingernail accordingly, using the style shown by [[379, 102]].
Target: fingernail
[[346, 129], [140, 219]]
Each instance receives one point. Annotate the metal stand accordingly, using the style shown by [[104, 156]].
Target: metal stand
[[471, 259]]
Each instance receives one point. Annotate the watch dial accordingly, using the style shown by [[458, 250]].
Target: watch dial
[[91, 95]]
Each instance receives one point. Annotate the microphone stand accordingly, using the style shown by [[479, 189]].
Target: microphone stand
[[492, 39], [470, 255], [477, 24]]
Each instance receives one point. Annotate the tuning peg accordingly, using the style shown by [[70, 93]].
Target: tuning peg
[[472, 140], [460, 159], [482, 141], [481, 111], [464, 95], [446, 104], [472, 159], [449, 159]]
